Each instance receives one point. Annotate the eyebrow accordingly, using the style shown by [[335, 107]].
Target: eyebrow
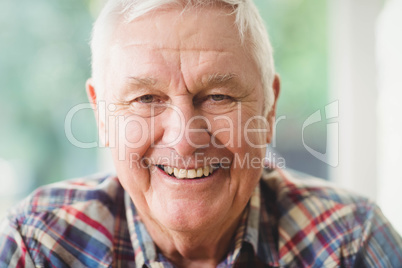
[[207, 81], [218, 79], [143, 81]]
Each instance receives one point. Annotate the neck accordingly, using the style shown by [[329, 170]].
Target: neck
[[200, 248]]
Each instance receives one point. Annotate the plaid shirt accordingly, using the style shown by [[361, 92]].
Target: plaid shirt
[[288, 222]]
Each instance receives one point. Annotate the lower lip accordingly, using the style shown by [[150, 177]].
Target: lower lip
[[209, 178]]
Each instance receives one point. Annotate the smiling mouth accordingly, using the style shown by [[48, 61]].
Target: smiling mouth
[[198, 173]]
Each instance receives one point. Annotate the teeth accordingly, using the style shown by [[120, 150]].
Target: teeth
[[189, 173], [206, 171], [182, 174], [200, 172]]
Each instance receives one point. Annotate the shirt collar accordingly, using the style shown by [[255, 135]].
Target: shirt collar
[[261, 230], [142, 243], [253, 219]]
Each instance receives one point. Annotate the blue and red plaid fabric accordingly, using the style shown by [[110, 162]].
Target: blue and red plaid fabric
[[289, 222]]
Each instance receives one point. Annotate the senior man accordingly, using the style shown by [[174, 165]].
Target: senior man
[[185, 95]]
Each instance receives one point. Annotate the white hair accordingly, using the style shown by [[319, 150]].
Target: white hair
[[248, 21]]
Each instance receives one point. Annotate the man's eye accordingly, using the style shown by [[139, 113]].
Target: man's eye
[[218, 97], [146, 99]]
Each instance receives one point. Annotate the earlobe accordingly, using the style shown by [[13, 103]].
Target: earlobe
[[276, 87]]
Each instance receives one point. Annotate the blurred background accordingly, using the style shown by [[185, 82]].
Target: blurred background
[[338, 117]]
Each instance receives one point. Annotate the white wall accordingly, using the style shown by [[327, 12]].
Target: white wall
[[367, 90], [353, 82], [389, 55]]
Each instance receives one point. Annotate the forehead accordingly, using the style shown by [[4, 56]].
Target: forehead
[[181, 29], [175, 42]]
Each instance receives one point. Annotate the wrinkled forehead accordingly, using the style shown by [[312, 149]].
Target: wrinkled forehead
[[172, 27], [194, 39]]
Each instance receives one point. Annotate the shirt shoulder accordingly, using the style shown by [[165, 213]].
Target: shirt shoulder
[[322, 225], [70, 220], [99, 188], [292, 187]]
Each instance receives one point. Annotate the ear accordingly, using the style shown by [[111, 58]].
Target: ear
[[91, 93], [276, 86], [100, 120]]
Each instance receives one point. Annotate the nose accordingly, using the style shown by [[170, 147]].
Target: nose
[[185, 129]]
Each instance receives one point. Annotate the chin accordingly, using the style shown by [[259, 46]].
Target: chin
[[190, 217]]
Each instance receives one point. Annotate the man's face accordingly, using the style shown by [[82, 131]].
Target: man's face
[[186, 95]]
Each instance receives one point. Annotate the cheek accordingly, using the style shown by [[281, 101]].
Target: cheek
[[239, 131], [225, 132], [129, 137], [134, 131], [255, 131], [245, 137], [132, 140]]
